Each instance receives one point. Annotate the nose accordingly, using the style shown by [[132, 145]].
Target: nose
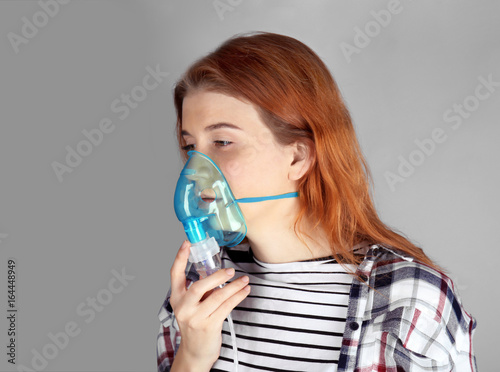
[[208, 152], [204, 150]]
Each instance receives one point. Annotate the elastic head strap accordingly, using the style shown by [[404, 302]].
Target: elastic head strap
[[264, 198]]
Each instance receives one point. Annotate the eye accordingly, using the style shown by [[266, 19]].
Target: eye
[[188, 147], [222, 143]]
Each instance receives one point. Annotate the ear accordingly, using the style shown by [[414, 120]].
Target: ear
[[302, 160]]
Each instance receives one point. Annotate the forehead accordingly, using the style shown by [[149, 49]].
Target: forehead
[[207, 108]]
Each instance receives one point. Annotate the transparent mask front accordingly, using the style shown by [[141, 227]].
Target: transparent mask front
[[203, 194]]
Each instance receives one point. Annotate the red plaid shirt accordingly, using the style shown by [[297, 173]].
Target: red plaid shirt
[[409, 318]]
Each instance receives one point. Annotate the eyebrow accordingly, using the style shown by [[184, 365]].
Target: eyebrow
[[212, 127]]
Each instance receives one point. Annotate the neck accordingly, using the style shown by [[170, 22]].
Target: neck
[[273, 239]]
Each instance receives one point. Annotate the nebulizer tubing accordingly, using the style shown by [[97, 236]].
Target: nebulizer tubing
[[205, 256]]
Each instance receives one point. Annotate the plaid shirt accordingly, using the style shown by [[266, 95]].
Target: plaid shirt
[[408, 318]]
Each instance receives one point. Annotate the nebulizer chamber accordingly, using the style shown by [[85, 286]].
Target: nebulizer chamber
[[205, 252], [205, 205]]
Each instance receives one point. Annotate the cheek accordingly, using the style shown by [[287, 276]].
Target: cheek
[[233, 169], [236, 175], [243, 162]]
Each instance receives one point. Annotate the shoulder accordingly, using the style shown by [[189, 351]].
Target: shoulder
[[418, 303], [397, 278], [397, 275]]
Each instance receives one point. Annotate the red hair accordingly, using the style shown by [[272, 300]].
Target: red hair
[[298, 99]]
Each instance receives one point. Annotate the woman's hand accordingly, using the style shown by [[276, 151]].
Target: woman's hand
[[200, 312]]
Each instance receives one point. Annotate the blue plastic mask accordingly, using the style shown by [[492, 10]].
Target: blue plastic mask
[[204, 203]]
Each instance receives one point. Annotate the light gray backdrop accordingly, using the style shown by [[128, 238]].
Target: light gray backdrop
[[90, 223]]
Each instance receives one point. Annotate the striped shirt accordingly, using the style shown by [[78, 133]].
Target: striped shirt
[[408, 317], [296, 310]]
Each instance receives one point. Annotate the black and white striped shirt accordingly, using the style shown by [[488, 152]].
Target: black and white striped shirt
[[293, 319]]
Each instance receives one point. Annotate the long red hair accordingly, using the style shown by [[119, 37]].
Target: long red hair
[[298, 100]]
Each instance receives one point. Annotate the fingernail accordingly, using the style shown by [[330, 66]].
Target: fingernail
[[184, 244], [230, 271], [245, 279], [247, 288]]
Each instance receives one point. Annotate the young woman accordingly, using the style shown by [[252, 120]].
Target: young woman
[[332, 287]]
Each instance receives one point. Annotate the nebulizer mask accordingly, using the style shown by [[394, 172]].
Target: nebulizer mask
[[211, 217], [206, 207]]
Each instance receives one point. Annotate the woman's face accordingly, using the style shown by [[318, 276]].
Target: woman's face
[[232, 134]]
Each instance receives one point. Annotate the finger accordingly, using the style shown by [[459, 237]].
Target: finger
[[219, 296], [227, 306], [199, 288], [177, 272]]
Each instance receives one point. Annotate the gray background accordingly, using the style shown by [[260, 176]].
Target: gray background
[[115, 210]]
